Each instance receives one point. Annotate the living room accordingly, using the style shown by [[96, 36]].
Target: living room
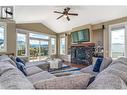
[[63, 47]]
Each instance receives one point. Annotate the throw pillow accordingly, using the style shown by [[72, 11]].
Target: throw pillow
[[20, 60], [105, 63], [97, 65], [21, 67]]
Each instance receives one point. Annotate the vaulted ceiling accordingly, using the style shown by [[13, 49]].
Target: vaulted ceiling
[[87, 15]]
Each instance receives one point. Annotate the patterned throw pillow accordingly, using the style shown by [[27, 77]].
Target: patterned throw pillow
[[20, 60], [21, 67]]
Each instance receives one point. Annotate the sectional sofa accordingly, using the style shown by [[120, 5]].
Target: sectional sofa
[[114, 76], [37, 77]]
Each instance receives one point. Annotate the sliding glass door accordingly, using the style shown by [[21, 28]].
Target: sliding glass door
[[117, 41]]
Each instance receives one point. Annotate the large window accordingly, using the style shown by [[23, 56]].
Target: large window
[[2, 39], [117, 41], [21, 44], [38, 50], [35, 45], [62, 45], [39, 47], [53, 45]]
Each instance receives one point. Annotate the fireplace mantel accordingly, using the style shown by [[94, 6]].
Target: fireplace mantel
[[86, 44]]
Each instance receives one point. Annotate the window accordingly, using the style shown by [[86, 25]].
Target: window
[[38, 50], [62, 45], [39, 46], [117, 42], [2, 39], [53, 45], [35, 45], [21, 44]]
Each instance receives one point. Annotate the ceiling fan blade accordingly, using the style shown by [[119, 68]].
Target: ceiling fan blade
[[58, 12], [73, 14], [68, 18], [10, 13], [60, 16], [68, 9]]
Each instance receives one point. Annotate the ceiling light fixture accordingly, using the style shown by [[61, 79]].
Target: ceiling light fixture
[[66, 13]]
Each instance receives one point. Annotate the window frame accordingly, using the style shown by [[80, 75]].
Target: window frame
[[115, 26], [5, 36], [26, 54], [51, 45], [32, 38], [63, 36]]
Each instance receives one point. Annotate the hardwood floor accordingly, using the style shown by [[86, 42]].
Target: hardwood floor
[[75, 65]]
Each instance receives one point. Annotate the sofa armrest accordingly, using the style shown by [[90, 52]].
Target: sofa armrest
[[66, 82]]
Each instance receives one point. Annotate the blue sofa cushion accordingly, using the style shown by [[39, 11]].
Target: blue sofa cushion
[[21, 67], [97, 65], [20, 60]]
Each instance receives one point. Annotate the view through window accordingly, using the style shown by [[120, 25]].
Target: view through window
[[117, 42], [21, 44], [35, 46], [39, 46], [2, 39], [38, 50], [62, 45], [53, 45]]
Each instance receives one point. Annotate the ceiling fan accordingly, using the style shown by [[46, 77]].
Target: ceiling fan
[[66, 13]]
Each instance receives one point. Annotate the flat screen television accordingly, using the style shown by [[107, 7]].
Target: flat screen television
[[80, 36]]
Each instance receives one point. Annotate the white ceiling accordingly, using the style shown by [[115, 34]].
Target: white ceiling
[[87, 15]]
